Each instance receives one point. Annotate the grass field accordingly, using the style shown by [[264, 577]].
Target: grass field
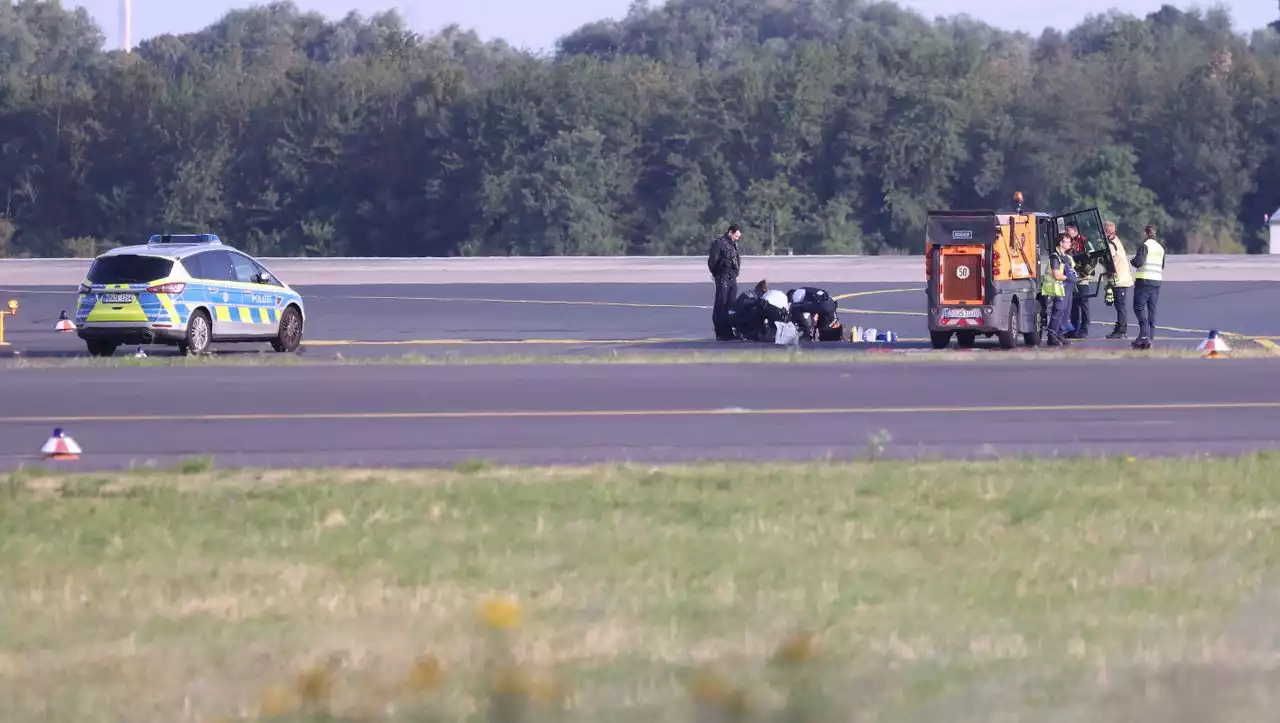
[[764, 355], [939, 592]]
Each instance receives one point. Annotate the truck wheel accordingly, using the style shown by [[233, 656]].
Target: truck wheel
[[966, 339], [1032, 338], [940, 339], [1009, 337]]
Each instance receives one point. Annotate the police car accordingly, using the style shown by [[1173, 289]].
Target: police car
[[188, 291]]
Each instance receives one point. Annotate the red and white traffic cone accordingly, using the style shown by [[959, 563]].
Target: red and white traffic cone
[[64, 324], [1214, 345], [60, 446]]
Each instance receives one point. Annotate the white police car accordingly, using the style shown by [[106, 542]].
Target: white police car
[[188, 291]]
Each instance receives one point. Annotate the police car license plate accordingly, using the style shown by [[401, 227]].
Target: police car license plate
[[962, 313], [117, 298]]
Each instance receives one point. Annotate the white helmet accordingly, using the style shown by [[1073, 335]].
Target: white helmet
[[776, 298]]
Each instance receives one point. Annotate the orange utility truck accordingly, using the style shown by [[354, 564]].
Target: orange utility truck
[[983, 270]]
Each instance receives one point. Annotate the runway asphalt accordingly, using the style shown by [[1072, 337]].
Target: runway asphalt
[[575, 319], [376, 415], [435, 415]]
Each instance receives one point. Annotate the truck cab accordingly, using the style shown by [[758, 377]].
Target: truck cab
[[983, 270]]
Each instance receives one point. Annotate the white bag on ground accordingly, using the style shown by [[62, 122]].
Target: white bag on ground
[[787, 333]]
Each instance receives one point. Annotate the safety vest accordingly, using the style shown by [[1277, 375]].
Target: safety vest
[[1050, 286], [1153, 267], [1124, 272]]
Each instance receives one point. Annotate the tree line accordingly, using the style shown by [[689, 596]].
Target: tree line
[[819, 126]]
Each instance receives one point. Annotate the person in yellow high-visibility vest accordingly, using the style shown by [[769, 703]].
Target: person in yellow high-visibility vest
[[1148, 274], [1053, 287]]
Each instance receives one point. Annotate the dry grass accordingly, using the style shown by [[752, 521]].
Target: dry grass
[[763, 355], [935, 592]]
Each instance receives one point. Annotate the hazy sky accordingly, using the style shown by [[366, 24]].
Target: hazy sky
[[536, 25]]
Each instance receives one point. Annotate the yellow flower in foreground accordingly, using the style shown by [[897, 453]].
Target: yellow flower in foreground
[[315, 685], [277, 701], [737, 705], [426, 674], [797, 648], [500, 614], [709, 686], [513, 681]]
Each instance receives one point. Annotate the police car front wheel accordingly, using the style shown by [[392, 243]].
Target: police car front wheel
[[290, 335]]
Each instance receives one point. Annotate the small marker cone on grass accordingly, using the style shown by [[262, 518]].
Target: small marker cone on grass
[[1214, 345], [60, 446], [64, 324]]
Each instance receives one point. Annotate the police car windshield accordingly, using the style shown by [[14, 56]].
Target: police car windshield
[[129, 269]]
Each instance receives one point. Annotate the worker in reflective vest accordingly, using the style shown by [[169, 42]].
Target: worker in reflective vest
[[1147, 277], [1053, 287], [1118, 283]]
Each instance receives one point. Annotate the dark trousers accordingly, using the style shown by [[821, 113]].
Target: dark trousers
[[800, 315], [1080, 311], [726, 292], [1122, 309], [1145, 297], [1053, 312]]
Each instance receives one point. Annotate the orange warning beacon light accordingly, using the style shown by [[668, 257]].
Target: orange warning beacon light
[[64, 324], [60, 446], [11, 311]]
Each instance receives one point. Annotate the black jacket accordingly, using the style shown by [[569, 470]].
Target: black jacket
[[815, 301], [723, 260]]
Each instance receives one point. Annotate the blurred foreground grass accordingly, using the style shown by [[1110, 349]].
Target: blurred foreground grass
[[1075, 590]]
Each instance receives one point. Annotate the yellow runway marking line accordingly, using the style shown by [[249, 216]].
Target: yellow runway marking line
[[856, 294], [612, 413], [551, 302], [1268, 344], [454, 342], [580, 302], [585, 342]]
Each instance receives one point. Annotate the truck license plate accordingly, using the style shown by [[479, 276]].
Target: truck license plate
[[117, 298], [962, 313]]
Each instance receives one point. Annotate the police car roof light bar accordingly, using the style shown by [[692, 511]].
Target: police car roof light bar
[[185, 239]]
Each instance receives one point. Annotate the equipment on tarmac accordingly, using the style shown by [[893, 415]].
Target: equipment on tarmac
[[832, 332], [786, 334], [983, 270], [60, 446], [1214, 345], [64, 324]]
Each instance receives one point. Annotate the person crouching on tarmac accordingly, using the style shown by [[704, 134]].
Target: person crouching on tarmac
[[808, 300], [756, 314], [745, 314], [1053, 287]]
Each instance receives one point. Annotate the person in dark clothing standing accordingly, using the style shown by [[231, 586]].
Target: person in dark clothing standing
[[724, 262], [1084, 269], [1147, 277]]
